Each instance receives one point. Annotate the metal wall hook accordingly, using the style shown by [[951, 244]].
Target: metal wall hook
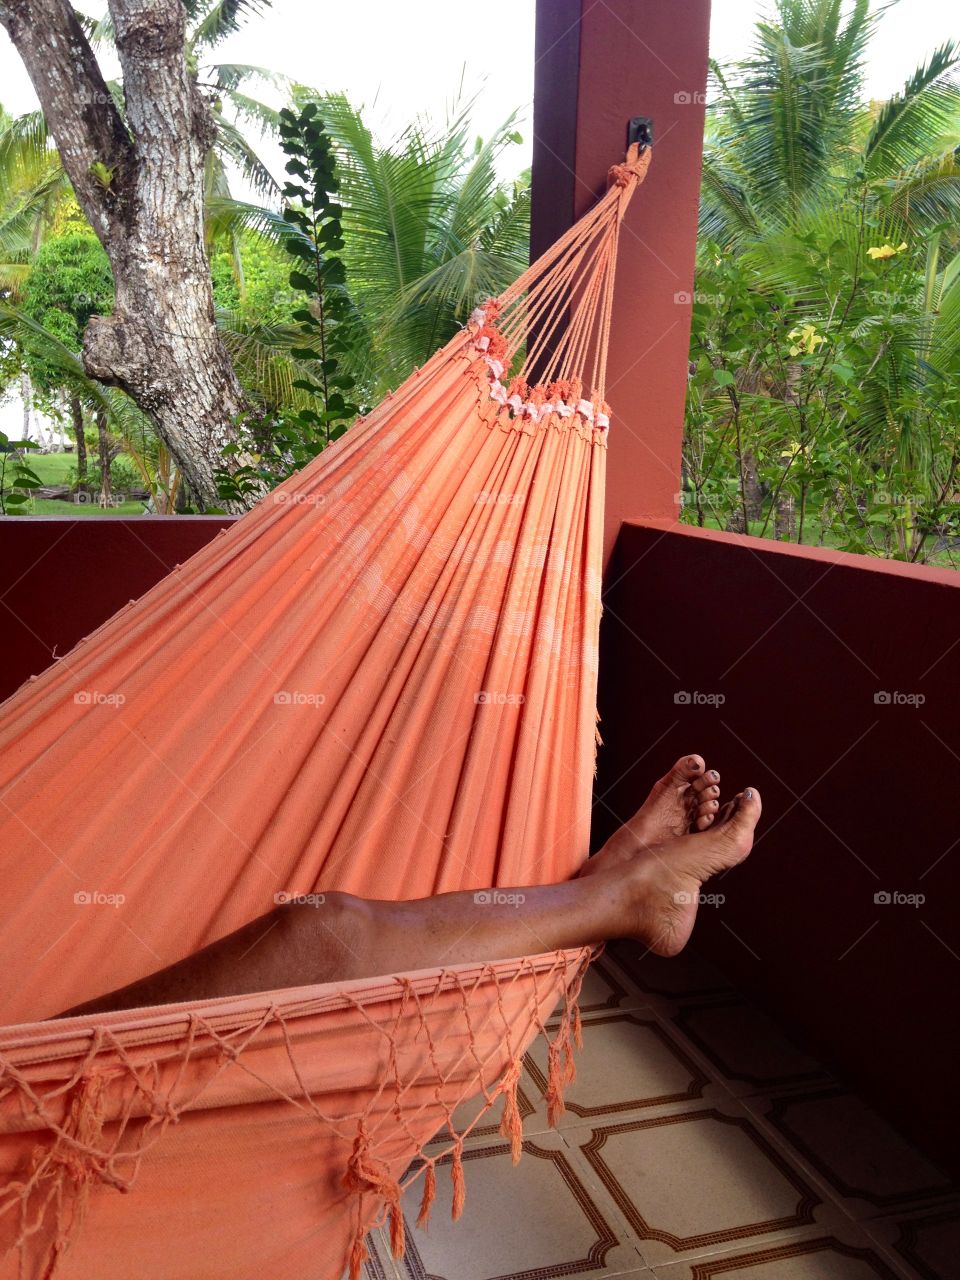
[[640, 130]]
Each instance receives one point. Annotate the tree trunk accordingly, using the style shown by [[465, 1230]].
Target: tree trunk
[[140, 183], [25, 398], [784, 519], [76, 413], [753, 494], [103, 441]]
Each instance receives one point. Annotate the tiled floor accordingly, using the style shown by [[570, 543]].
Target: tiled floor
[[697, 1143]]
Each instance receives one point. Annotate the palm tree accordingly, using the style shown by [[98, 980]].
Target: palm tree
[[429, 231], [789, 134], [843, 216]]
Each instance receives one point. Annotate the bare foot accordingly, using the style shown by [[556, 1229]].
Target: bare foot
[[661, 882], [685, 799]]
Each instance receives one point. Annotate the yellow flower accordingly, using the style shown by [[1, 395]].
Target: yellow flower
[[885, 251], [805, 339]]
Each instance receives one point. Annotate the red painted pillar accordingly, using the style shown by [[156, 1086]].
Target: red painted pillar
[[598, 65]]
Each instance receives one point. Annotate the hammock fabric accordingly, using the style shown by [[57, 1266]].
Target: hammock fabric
[[381, 680]]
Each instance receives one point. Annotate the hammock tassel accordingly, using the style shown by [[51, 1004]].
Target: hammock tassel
[[71, 1166], [561, 1069], [358, 1255], [457, 1178], [511, 1125], [429, 1195], [367, 1174]]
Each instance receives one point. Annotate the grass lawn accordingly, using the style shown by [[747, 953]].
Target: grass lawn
[[54, 507], [58, 468], [814, 536]]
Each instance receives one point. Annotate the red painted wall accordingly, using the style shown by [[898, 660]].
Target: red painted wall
[[859, 796], [61, 577], [598, 65]]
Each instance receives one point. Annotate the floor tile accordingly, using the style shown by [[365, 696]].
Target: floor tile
[[863, 1162], [629, 1062], [745, 1047], [821, 1258], [537, 1220], [680, 977], [926, 1244], [700, 1181]]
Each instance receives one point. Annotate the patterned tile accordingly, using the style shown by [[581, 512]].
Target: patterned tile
[[607, 986], [852, 1152], [690, 1183], [926, 1245], [698, 1142], [685, 976], [535, 1221], [745, 1047], [824, 1258], [629, 1061]]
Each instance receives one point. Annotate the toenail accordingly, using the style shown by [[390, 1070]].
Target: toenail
[[748, 794], [694, 764], [715, 791], [714, 775]]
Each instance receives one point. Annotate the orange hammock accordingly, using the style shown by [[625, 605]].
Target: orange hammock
[[381, 680]]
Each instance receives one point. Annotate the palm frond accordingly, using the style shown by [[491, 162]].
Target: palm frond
[[914, 121]]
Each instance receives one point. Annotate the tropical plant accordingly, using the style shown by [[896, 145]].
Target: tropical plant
[[826, 321], [275, 448], [429, 230]]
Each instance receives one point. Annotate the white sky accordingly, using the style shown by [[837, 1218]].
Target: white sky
[[405, 59]]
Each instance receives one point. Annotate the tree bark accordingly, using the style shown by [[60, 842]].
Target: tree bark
[[76, 413], [103, 441], [140, 184]]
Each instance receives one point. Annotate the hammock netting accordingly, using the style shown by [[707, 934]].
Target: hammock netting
[[382, 680]]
